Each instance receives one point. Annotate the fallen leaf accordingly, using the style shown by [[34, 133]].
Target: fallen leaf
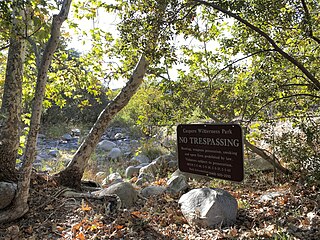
[[80, 236], [49, 207]]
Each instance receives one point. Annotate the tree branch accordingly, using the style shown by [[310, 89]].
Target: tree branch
[[4, 47], [308, 22], [240, 59], [36, 52], [285, 97], [291, 59]]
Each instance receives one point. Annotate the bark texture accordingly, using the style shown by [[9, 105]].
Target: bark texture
[[72, 174], [268, 157], [20, 205], [10, 113]]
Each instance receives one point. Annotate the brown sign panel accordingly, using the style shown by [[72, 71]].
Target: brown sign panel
[[214, 150]]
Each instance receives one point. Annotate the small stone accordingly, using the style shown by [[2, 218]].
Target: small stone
[[269, 196], [112, 179], [152, 191], [177, 184], [66, 137]]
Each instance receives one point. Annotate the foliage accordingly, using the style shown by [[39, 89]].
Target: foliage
[[237, 63]]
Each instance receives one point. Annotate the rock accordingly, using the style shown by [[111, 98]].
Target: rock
[[189, 175], [124, 190], [114, 154], [66, 137], [112, 179], [156, 167], [106, 145], [54, 153], [177, 184], [75, 132], [7, 193], [269, 196], [152, 191], [142, 178], [207, 207], [260, 164], [132, 171], [118, 136], [141, 158]]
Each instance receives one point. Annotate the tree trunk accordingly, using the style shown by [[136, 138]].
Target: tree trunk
[[72, 174], [269, 158], [20, 205], [10, 113]]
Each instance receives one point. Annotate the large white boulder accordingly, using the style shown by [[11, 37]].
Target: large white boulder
[[106, 145], [207, 207], [7, 193]]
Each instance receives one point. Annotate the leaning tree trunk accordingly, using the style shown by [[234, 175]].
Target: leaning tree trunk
[[20, 205], [10, 114], [72, 174], [268, 157]]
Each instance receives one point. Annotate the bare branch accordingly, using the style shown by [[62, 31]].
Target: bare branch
[[4, 47]]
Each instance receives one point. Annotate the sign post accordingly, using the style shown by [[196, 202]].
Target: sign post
[[214, 150]]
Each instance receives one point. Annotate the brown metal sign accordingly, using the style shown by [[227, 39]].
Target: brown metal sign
[[214, 150]]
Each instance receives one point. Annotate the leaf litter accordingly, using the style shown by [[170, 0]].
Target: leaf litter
[[292, 213]]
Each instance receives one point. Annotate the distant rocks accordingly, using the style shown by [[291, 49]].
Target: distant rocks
[[114, 154], [106, 145], [141, 158]]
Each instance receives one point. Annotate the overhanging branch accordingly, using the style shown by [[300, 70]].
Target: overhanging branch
[[291, 59]]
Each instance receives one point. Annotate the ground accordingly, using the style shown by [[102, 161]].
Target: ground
[[293, 213]]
